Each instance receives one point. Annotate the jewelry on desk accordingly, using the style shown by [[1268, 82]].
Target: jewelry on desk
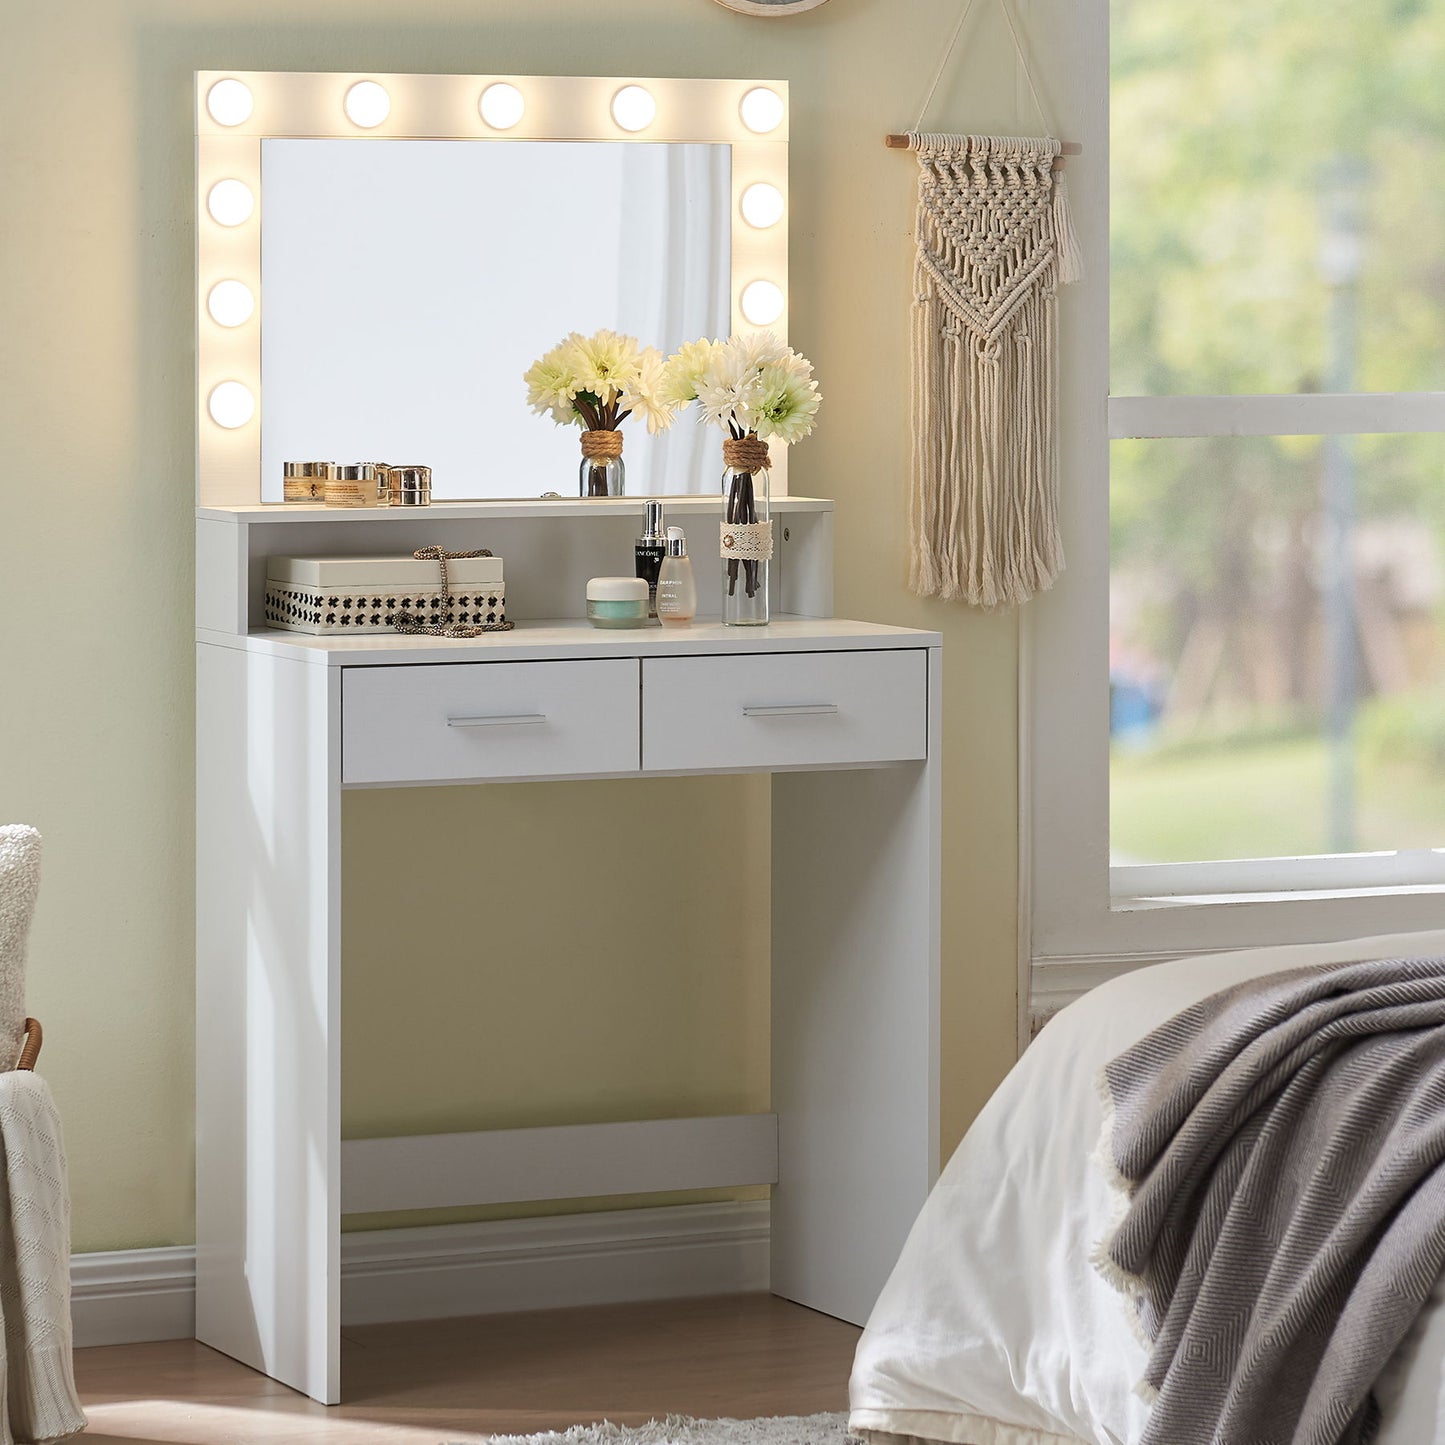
[[413, 626]]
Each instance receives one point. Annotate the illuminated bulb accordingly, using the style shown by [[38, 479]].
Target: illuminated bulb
[[231, 405], [762, 302], [633, 108], [367, 104], [762, 205], [230, 303], [230, 202], [501, 105], [229, 102], [762, 110]]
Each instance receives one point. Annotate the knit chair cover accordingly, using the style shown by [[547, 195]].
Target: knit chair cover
[[38, 1401], [19, 887]]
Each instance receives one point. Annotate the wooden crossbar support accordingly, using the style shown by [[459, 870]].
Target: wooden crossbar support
[[504, 1166], [897, 142]]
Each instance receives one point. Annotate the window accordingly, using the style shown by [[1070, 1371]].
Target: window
[[1267, 498], [1276, 647]]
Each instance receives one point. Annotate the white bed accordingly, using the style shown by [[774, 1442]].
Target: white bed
[[993, 1328]]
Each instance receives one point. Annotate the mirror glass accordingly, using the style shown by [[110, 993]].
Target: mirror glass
[[408, 284]]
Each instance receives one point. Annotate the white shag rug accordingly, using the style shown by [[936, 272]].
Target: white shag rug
[[684, 1430]]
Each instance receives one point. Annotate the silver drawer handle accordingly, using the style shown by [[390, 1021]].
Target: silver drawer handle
[[801, 709], [497, 720]]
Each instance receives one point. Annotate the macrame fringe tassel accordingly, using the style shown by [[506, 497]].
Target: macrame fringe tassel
[[985, 513], [1066, 240]]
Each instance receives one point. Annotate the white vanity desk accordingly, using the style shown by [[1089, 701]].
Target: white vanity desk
[[844, 714]]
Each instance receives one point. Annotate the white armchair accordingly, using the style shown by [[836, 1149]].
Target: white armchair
[[37, 1383]]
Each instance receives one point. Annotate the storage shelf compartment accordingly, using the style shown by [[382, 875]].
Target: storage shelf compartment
[[549, 549]]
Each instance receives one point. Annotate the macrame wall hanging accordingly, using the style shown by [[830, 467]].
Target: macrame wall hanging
[[994, 243]]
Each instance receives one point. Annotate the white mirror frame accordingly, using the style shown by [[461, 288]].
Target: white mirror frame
[[299, 104]]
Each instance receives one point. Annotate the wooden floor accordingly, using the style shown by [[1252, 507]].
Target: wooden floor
[[462, 1380]]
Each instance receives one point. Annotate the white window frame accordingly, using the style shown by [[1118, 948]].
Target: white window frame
[[1083, 921]]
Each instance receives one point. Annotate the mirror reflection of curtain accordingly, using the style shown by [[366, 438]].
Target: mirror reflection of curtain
[[407, 285], [680, 194]]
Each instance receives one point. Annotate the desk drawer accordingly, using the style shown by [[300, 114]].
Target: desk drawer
[[488, 720], [784, 710]]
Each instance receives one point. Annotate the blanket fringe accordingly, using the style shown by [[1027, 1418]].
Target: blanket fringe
[[1146, 1391], [1121, 1190]]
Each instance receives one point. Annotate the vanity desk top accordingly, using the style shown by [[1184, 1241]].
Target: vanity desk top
[[566, 699], [569, 638], [555, 508]]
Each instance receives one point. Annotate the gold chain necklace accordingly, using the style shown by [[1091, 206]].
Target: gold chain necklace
[[413, 626]]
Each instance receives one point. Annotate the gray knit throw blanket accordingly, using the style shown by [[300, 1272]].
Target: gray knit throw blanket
[[1282, 1149]]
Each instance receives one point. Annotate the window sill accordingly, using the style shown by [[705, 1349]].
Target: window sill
[[1144, 903]]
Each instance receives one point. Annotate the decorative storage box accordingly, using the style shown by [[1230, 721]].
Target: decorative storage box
[[366, 594]]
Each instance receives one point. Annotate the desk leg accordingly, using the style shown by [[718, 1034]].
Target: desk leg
[[856, 883], [268, 1123]]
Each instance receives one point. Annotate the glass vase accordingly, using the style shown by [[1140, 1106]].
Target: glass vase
[[747, 546], [601, 477]]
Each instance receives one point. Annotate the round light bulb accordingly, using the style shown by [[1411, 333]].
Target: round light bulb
[[762, 302], [229, 102], [230, 202], [633, 108], [231, 404], [761, 110], [501, 105], [230, 303], [367, 104], [762, 205]]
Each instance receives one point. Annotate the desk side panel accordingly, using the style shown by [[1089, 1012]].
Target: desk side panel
[[221, 586], [803, 570], [267, 1016], [855, 1053]]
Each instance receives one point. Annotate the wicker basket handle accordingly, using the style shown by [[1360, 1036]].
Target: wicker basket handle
[[31, 1050]]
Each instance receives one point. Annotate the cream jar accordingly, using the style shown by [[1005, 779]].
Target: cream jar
[[304, 481], [410, 486], [383, 484], [618, 601], [350, 484]]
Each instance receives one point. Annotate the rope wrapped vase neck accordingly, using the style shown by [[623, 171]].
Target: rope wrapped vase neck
[[746, 454], [601, 445], [994, 243], [414, 626]]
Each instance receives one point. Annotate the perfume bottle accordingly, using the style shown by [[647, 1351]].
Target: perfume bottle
[[650, 550], [676, 589]]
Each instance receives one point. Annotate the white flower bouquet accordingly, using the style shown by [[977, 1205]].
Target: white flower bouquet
[[757, 389], [597, 382]]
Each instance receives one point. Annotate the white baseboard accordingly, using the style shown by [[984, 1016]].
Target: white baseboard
[[573, 1259], [127, 1296]]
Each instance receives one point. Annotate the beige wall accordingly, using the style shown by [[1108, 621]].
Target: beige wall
[[653, 1007]]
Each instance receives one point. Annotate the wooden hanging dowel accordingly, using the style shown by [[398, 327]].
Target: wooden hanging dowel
[[896, 142]]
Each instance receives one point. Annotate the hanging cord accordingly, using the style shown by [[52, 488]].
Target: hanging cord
[[1071, 259], [1018, 48]]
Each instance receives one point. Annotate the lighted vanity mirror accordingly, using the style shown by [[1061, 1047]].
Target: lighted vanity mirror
[[408, 284], [381, 258]]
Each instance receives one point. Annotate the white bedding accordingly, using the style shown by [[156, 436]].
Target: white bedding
[[993, 1328]]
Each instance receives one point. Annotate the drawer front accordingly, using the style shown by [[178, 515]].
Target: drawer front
[[488, 720], [784, 710]]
